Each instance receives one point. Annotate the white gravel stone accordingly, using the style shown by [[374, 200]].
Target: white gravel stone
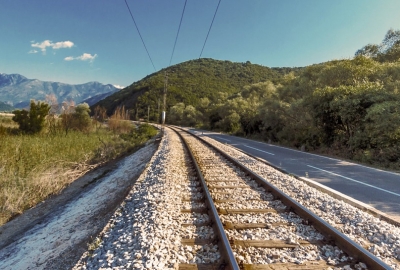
[[143, 231], [380, 237], [146, 231]]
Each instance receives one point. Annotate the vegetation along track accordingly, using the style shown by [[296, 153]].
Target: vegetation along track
[[256, 225]]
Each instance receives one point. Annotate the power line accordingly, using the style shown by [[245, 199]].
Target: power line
[[137, 28], [210, 29], [177, 34]]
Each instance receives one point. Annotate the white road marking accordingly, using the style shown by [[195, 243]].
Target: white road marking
[[222, 139], [351, 179], [259, 150], [319, 156]]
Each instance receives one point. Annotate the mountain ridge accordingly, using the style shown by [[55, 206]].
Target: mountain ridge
[[17, 90], [188, 82]]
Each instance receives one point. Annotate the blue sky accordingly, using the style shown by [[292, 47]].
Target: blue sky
[[76, 41]]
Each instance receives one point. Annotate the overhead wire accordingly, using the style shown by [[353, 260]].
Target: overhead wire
[[177, 34], [210, 28], [137, 28], [176, 39]]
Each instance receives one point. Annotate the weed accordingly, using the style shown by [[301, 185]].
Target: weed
[[94, 244], [32, 167]]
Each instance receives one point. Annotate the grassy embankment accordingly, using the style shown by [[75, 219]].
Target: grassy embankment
[[33, 167]]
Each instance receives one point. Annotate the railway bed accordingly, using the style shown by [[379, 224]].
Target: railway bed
[[214, 214]]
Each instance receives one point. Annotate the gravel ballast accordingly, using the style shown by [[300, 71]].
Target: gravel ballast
[[377, 236], [145, 232], [60, 235]]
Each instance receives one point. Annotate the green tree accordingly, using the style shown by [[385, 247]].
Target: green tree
[[370, 51], [176, 114], [383, 130], [391, 46], [231, 122], [191, 117], [81, 117], [34, 120], [387, 51]]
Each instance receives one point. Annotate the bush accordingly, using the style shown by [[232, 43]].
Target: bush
[[81, 118], [119, 121], [33, 121]]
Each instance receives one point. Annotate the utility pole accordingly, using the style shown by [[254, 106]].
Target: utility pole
[[164, 99], [148, 114], [136, 112], [158, 120]]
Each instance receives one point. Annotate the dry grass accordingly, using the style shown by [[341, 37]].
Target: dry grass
[[119, 121], [6, 121], [32, 167]]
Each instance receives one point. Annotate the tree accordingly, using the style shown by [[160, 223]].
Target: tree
[[52, 116], [99, 116], [100, 113], [34, 120], [191, 117], [231, 122], [204, 111], [370, 51], [67, 109], [81, 117], [391, 40], [383, 130], [387, 51], [176, 113]]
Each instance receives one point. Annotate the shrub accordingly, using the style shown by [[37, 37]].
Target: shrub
[[118, 122], [32, 121], [81, 118]]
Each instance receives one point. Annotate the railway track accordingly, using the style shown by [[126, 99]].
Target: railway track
[[235, 219]]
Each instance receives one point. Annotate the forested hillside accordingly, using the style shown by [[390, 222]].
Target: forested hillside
[[188, 82], [349, 108]]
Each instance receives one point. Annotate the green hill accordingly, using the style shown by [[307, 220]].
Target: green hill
[[4, 107], [188, 82]]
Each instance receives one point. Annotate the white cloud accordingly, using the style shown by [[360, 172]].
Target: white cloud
[[63, 44], [48, 43], [83, 57], [42, 46], [33, 51], [87, 56], [118, 86]]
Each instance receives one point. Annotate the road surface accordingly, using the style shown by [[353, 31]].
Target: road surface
[[377, 188]]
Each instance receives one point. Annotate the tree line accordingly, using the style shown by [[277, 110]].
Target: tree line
[[57, 117], [188, 82], [349, 107]]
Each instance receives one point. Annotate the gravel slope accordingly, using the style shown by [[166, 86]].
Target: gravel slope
[[144, 232]]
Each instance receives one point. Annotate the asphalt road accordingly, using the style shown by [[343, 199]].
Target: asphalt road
[[378, 188]]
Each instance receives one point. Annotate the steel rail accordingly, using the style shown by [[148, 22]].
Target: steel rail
[[341, 240], [224, 245]]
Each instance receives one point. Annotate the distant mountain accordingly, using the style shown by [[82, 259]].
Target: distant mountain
[[190, 81], [4, 107], [93, 100], [17, 90]]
